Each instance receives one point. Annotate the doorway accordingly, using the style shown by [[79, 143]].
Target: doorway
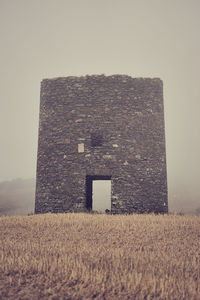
[[98, 193]]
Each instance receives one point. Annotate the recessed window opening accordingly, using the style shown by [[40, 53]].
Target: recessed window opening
[[96, 139], [98, 193]]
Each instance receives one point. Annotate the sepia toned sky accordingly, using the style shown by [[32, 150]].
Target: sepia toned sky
[[141, 38]]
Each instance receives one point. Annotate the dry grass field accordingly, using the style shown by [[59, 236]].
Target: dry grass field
[[88, 256]]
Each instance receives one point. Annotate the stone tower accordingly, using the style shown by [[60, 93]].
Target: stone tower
[[101, 128]]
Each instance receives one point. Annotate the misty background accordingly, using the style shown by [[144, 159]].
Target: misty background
[[140, 38]]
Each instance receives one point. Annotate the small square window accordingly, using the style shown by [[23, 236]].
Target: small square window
[[96, 139], [80, 148]]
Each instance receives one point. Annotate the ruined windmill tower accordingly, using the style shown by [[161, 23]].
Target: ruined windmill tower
[[101, 128]]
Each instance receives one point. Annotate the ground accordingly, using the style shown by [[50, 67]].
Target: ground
[[97, 256]]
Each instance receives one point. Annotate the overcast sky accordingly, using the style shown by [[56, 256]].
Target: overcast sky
[[144, 38]]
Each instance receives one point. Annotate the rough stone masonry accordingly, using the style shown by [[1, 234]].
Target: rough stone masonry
[[101, 127]]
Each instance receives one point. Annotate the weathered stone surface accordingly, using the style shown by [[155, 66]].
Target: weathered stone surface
[[125, 118]]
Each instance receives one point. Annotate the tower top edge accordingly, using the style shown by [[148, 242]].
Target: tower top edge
[[100, 77]]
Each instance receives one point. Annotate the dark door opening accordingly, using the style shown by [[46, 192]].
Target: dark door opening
[[98, 193]]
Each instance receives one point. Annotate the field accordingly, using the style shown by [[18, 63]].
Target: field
[[94, 256]]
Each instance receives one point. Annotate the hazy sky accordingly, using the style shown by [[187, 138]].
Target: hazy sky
[[144, 38]]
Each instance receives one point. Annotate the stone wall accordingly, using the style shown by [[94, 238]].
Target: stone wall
[[101, 126]]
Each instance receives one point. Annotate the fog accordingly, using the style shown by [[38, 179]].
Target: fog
[[144, 38]]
